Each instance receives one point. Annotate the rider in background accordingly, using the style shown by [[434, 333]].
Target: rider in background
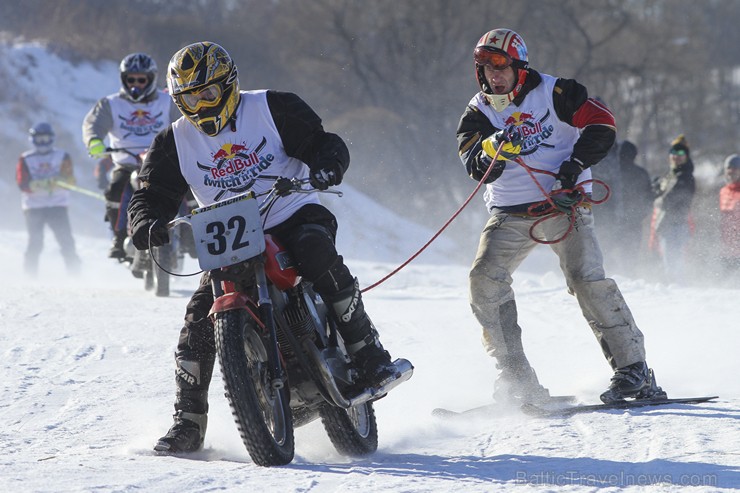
[[43, 201], [129, 119], [225, 140], [551, 125]]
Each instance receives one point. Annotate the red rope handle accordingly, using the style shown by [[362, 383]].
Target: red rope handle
[[549, 209]]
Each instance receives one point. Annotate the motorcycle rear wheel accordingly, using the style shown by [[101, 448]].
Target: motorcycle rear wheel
[[353, 431], [262, 413]]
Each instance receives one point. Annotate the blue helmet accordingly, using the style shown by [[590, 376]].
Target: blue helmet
[[41, 136], [139, 63]]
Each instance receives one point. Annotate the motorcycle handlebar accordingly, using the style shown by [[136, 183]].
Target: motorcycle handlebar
[[282, 187]]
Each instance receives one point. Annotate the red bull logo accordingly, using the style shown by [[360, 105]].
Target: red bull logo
[[140, 117], [524, 123], [228, 151], [231, 159]]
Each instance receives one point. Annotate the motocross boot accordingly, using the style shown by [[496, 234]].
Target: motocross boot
[[373, 362], [517, 382], [633, 381], [191, 408], [116, 250]]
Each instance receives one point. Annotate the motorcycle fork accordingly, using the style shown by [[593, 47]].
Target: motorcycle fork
[[264, 304], [265, 317]]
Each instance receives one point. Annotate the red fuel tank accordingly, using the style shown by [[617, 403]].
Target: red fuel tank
[[279, 265]]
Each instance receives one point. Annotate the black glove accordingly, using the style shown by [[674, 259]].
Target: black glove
[[569, 172], [509, 140], [326, 176], [566, 201], [481, 166], [154, 233]]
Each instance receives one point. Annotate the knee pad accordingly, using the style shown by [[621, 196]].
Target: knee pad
[[312, 247]]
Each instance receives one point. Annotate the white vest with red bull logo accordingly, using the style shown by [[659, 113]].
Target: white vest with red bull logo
[[135, 125], [44, 167], [548, 142], [231, 163]]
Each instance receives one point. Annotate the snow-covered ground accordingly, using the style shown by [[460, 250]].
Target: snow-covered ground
[[88, 388], [88, 370]]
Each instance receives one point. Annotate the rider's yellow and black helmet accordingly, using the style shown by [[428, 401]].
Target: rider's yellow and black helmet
[[203, 82]]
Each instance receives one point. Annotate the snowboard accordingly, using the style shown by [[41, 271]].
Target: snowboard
[[497, 408], [540, 411]]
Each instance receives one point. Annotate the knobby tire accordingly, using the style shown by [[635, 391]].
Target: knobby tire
[[354, 431], [262, 414]]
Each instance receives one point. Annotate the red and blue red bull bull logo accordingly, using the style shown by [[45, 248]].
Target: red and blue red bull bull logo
[[141, 122], [232, 159], [524, 123]]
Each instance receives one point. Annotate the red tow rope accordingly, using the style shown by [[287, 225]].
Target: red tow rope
[[444, 226], [548, 209]]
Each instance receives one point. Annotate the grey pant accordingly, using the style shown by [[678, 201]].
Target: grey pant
[[505, 242]]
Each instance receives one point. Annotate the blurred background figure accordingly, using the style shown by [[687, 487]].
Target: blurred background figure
[[102, 171], [671, 223], [38, 174], [636, 199], [129, 119], [729, 207], [607, 214]]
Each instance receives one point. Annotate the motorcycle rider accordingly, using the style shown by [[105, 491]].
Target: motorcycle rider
[[221, 145], [554, 127], [129, 119]]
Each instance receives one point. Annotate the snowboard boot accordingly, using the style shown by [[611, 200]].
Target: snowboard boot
[[116, 250], [372, 361], [632, 381], [517, 382], [188, 431]]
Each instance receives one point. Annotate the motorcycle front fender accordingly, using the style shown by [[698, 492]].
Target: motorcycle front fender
[[229, 301]]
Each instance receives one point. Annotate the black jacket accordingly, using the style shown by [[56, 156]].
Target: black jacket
[[302, 135], [568, 96]]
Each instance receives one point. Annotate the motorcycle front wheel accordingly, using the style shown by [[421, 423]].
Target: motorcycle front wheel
[[353, 431], [262, 412]]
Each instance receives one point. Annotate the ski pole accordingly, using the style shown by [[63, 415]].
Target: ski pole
[[81, 190]]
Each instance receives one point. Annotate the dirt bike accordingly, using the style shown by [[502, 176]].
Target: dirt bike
[[282, 358], [156, 266]]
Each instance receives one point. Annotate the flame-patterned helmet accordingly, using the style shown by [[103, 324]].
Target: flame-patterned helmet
[[501, 48], [203, 82], [138, 63]]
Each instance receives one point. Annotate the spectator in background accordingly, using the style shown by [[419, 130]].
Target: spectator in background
[[637, 203], [607, 215], [670, 229], [38, 174], [729, 207]]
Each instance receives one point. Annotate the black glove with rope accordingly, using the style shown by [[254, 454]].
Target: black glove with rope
[[481, 165], [509, 140], [326, 176], [569, 172], [150, 233]]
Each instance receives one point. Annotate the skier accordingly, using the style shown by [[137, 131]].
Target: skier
[[44, 202], [552, 126], [129, 119], [287, 139], [671, 224], [729, 208]]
